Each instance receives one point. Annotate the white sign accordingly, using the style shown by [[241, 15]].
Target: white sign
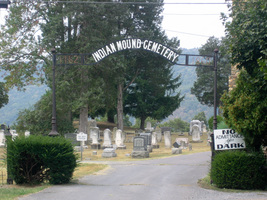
[[81, 137], [226, 139]]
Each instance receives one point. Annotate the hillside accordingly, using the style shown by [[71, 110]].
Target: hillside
[[189, 107]]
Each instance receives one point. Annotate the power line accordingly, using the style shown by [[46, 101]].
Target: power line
[[134, 3], [188, 14], [188, 33]]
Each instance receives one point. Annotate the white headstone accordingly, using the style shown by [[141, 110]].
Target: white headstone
[[159, 134], [149, 127], [27, 133], [2, 138], [154, 138], [14, 134], [167, 139], [95, 135], [195, 122], [119, 139], [195, 133], [107, 139]]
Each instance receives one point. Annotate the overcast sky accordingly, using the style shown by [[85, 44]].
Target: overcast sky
[[193, 24]]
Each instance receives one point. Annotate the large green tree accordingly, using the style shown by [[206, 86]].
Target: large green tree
[[247, 34], [203, 87], [245, 107], [154, 92]]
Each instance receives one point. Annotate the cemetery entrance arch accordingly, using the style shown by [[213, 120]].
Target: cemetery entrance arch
[[133, 44]]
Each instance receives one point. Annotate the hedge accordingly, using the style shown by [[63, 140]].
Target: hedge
[[239, 170], [36, 159]]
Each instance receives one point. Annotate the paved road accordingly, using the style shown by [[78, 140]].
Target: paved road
[[171, 178]]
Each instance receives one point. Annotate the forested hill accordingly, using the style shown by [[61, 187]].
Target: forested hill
[[188, 109]]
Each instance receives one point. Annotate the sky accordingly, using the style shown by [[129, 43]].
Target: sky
[[193, 24]]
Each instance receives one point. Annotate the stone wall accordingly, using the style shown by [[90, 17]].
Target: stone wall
[[233, 77]]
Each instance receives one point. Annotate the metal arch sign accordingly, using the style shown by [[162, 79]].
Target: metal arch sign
[[114, 47]]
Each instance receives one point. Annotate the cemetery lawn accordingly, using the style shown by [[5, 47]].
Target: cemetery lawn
[[10, 192], [125, 154]]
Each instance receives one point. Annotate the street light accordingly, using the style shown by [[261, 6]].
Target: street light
[[54, 123]]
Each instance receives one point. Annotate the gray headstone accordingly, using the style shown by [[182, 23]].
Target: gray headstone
[[109, 153], [148, 136], [139, 143], [177, 150], [72, 138]]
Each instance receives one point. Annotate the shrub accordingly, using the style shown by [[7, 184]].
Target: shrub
[[238, 170], [35, 159]]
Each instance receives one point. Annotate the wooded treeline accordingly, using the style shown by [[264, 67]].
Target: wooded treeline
[[142, 81]]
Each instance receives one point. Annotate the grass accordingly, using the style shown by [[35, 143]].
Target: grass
[[10, 192], [123, 154]]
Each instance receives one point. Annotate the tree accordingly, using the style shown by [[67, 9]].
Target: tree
[[37, 119], [3, 95], [154, 91], [203, 87], [245, 108], [177, 125], [247, 34]]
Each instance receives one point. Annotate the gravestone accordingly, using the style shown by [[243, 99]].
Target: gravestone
[[114, 133], [167, 139], [2, 138], [149, 127], [27, 133], [154, 142], [148, 139], [177, 150], [195, 122], [140, 147], [163, 129], [176, 144], [95, 136], [159, 134], [72, 138], [109, 153], [196, 133], [14, 134], [92, 129], [190, 147], [3, 127], [107, 139], [119, 140], [183, 142]]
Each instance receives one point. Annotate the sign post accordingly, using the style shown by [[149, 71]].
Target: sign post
[[81, 137]]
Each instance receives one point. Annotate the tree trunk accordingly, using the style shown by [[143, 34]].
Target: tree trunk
[[120, 108], [142, 124], [110, 116], [83, 126]]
